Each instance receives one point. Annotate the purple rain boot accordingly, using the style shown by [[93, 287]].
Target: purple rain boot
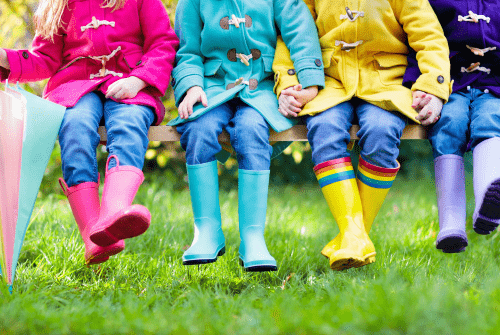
[[486, 164], [450, 190]]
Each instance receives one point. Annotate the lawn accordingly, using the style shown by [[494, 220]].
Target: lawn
[[412, 288]]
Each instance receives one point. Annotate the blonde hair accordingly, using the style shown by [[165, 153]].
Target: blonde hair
[[48, 16]]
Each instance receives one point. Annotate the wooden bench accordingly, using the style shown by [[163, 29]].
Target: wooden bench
[[296, 133]]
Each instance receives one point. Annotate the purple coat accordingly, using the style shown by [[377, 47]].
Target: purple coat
[[137, 39], [464, 34]]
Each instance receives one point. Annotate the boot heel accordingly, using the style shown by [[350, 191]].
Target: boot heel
[[452, 244], [258, 268], [490, 208], [205, 260]]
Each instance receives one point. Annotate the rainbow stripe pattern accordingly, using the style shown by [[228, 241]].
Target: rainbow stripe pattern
[[333, 171], [375, 176]]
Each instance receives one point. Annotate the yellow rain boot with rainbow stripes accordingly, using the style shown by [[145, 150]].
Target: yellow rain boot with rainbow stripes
[[374, 183], [338, 184]]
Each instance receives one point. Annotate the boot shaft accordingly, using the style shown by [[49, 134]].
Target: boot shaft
[[486, 166], [84, 201], [374, 183], [450, 191], [204, 190], [253, 188], [338, 184], [120, 186]]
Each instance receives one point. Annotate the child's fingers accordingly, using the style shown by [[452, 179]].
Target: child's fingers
[[297, 87], [293, 102], [423, 114], [204, 100], [286, 112], [182, 110]]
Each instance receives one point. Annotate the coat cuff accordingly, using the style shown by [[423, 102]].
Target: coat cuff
[[312, 77], [436, 84], [159, 84], [14, 57], [282, 80], [181, 86]]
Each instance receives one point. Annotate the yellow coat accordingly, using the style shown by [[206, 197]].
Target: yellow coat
[[373, 69]]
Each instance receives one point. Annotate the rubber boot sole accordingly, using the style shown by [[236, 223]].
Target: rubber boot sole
[[205, 260], [452, 244], [489, 210], [258, 268], [103, 256], [352, 262], [126, 224]]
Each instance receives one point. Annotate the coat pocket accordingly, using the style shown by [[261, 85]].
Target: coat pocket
[[268, 63], [214, 74], [331, 67], [133, 60], [391, 68]]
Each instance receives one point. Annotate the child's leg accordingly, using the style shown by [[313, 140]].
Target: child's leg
[[328, 133], [449, 138], [79, 139], [127, 129], [380, 132], [249, 134], [200, 140], [485, 140]]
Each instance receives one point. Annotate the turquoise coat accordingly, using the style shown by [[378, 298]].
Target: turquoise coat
[[212, 47]]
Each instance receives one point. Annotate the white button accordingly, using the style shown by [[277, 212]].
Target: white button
[[468, 88], [486, 91]]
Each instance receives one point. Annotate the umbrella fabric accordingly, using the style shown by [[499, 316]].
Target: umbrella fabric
[[43, 121], [28, 130], [12, 112]]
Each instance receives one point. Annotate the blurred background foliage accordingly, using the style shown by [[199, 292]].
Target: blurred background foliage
[[167, 160]]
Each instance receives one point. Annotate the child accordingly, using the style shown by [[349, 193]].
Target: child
[[471, 117], [106, 60], [225, 62], [364, 53]]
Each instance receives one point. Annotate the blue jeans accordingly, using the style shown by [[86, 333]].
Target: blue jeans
[[247, 128], [380, 133], [127, 128], [469, 115]]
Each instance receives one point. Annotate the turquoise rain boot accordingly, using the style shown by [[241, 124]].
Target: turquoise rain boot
[[209, 241], [252, 207]]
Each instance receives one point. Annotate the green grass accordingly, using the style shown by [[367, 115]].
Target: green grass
[[411, 288]]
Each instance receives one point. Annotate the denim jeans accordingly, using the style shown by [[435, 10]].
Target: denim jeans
[[469, 115], [247, 128], [380, 133], [127, 129]]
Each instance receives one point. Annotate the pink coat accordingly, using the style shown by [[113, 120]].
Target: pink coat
[[98, 47]]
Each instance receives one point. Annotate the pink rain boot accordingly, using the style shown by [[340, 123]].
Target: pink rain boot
[[84, 202], [118, 218]]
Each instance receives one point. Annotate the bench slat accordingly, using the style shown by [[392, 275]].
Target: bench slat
[[296, 133]]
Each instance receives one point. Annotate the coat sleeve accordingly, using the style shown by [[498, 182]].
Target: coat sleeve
[[293, 51], [160, 44], [41, 62], [426, 37], [189, 70]]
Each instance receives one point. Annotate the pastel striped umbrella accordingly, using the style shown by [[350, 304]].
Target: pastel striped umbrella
[[12, 114], [38, 134]]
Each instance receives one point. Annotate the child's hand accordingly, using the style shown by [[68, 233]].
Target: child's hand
[[428, 107], [4, 61], [292, 99], [126, 88], [194, 94], [288, 105]]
